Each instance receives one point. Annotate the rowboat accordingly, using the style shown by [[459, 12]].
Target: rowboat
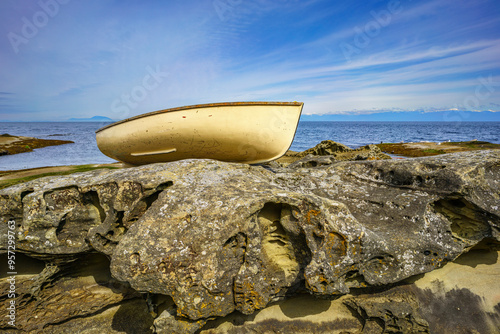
[[246, 132]]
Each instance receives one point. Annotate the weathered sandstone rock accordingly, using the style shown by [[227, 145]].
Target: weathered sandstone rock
[[193, 241], [328, 152], [461, 297]]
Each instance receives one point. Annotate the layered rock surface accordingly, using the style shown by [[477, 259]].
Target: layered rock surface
[[201, 245], [328, 152]]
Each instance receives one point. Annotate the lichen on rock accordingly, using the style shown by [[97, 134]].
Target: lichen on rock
[[198, 240]]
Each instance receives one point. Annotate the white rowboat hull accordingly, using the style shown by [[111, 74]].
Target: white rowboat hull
[[249, 132]]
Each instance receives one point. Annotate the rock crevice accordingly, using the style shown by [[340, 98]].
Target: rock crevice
[[196, 240]]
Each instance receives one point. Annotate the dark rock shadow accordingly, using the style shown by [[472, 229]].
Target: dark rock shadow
[[477, 257], [24, 265], [133, 317], [236, 319], [303, 306], [485, 252], [458, 311]]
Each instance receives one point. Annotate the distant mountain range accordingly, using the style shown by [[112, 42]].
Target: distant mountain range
[[92, 119], [410, 116], [391, 116]]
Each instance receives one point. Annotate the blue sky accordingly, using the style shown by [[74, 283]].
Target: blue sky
[[64, 59]]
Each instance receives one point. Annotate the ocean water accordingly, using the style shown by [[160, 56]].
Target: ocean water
[[83, 151], [356, 134], [352, 134]]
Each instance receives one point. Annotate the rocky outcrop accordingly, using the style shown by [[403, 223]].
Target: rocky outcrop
[[460, 297], [328, 152], [426, 148], [327, 147], [18, 144], [207, 246]]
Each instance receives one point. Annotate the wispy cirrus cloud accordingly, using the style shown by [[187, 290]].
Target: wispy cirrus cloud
[[427, 55]]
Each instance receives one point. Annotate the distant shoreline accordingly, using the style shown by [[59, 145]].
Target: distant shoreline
[[92, 119], [329, 150], [300, 121]]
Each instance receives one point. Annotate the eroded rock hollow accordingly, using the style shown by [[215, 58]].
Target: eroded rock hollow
[[206, 246]]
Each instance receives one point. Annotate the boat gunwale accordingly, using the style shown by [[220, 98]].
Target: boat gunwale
[[198, 106]]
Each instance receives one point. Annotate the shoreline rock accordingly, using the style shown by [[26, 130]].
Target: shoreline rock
[[10, 145], [425, 149], [9, 178], [194, 241], [328, 152]]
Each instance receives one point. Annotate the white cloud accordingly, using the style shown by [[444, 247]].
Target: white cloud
[[94, 52]]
